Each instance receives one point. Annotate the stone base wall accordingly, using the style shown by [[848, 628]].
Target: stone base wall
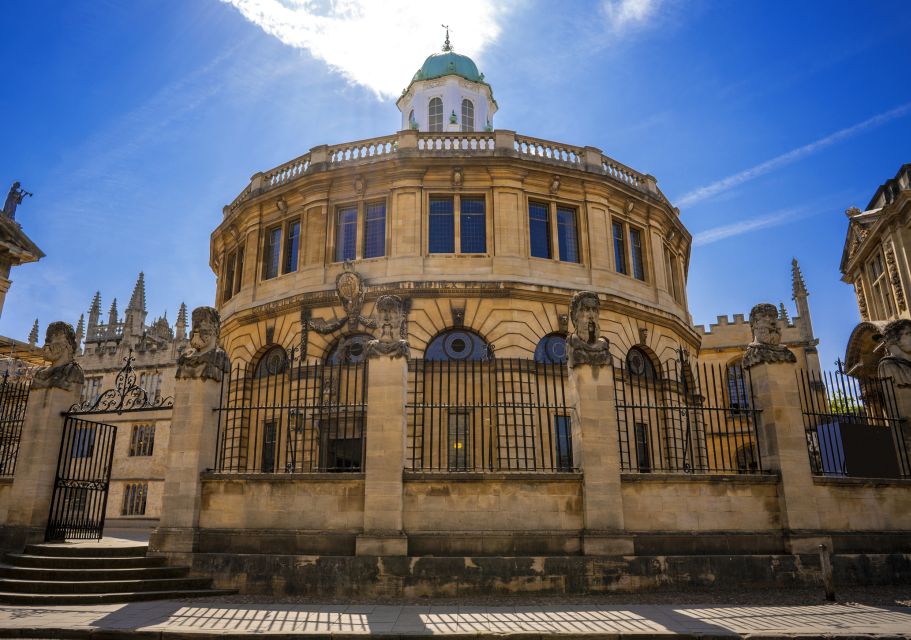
[[6, 487], [386, 577]]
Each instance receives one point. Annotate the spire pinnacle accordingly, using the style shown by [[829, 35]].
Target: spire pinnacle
[[112, 314], [138, 300], [96, 304], [80, 328], [799, 286], [447, 46], [783, 314], [33, 334], [181, 324]]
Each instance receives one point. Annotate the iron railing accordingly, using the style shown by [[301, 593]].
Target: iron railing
[[13, 403], [853, 427], [290, 417], [503, 414], [684, 417]]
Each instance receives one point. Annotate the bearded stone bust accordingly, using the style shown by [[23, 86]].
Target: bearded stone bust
[[203, 359], [896, 339], [390, 320], [60, 348], [586, 344], [766, 346]]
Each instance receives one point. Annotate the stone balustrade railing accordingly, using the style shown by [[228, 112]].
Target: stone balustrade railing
[[414, 143]]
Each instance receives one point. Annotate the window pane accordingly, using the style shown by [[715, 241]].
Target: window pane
[[270, 257], [346, 234], [228, 277], [539, 230], [635, 245], [566, 235], [239, 271], [442, 226], [473, 231], [375, 230], [292, 247], [435, 115], [563, 442], [467, 115], [619, 248]]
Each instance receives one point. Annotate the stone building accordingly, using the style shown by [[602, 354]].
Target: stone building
[[876, 261], [120, 354]]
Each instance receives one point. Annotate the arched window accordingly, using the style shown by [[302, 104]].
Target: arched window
[[411, 120], [435, 115], [467, 115], [551, 349], [639, 363], [272, 362], [738, 398], [349, 349], [457, 344]]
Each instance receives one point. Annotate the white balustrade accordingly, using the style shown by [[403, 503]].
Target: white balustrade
[[622, 173], [456, 142], [363, 150], [286, 172], [554, 151]]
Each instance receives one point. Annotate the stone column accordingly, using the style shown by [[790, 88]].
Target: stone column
[[55, 389], [384, 459], [782, 437], [194, 433]]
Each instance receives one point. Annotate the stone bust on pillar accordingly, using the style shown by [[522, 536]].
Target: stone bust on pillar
[[60, 349], [203, 359], [586, 344], [766, 346], [896, 338], [390, 320]]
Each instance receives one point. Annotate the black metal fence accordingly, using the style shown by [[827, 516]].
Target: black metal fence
[[853, 427], [13, 402], [285, 416], [685, 417], [83, 477], [505, 414]]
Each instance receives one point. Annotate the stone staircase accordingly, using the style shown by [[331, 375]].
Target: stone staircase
[[94, 573]]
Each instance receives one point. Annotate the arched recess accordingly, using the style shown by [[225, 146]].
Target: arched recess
[[551, 349], [272, 362], [458, 344], [642, 362], [348, 349], [861, 357]]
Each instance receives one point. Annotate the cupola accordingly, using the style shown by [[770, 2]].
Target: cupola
[[447, 93]]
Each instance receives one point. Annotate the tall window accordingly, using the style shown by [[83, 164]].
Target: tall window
[[882, 292], [134, 498], [619, 248], [643, 451], [467, 115], [292, 246], [672, 273], [411, 120], [567, 236], [473, 223], [435, 115], [271, 252], [346, 234], [563, 442], [267, 454], [142, 440], [375, 230], [458, 440], [539, 229], [738, 398], [635, 245], [91, 389], [442, 226], [228, 281], [151, 384]]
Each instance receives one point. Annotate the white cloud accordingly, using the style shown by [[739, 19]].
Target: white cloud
[[713, 189], [377, 44], [746, 226], [625, 14]]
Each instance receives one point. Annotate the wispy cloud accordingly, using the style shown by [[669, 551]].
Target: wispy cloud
[[713, 189], [773, 219], [377, 44], [623, 15]]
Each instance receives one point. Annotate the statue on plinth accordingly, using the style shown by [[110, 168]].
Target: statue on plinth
[[586, 344], [14, 199], [896, 364], [60, 348], [203, 360], [393, 338], [766, 346]]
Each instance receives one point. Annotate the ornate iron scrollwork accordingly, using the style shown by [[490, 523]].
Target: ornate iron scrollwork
[[125, 396]]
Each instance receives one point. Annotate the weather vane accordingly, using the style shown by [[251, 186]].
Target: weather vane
[[446, 45]]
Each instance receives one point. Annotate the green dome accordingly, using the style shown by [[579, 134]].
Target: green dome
[[448, 63]]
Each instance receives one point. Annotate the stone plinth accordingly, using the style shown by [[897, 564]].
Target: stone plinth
[[384, 458]]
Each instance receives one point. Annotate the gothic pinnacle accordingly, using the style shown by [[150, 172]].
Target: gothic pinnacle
[[138, 300], [33, 334], [799, 286]]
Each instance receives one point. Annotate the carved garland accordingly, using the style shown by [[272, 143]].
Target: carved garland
[[895, 279], [861, 299]]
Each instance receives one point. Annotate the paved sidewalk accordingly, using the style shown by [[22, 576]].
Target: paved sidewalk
[[195, 619]]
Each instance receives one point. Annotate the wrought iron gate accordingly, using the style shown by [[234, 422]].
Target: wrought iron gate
[[83, 477]]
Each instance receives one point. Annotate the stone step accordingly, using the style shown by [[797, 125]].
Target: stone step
[[91, 574], [86, 550], [66, 562], [35, 587], [50, 599]]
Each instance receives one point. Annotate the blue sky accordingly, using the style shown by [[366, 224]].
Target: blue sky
[[134, 123]]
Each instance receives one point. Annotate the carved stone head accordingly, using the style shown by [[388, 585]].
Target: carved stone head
[[59, 344], [764, 325], [585, 311], [389, 316], [897, 338], [206, 329]]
